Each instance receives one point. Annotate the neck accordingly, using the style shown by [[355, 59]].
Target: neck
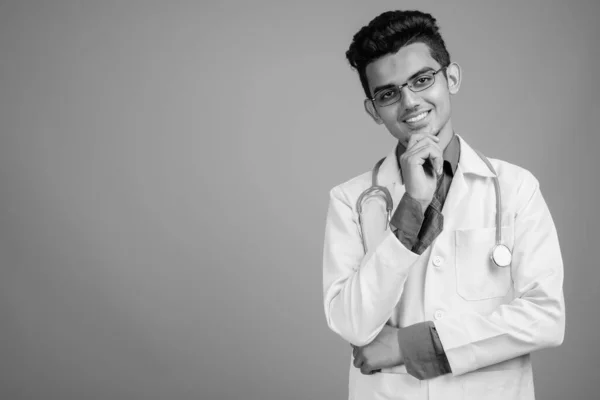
[[445, 135]]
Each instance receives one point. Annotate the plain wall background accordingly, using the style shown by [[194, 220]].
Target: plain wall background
[[165, 170]]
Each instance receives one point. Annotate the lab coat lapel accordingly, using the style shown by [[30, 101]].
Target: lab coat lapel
[[455, 201], [456, 207]]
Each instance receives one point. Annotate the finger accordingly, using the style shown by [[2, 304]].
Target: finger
[[365, 369], [430, 156], [422, 144], [417, 137], [419, 154], [354, 352], [416, 155], [439, 165], [435, 159], [358, 362]]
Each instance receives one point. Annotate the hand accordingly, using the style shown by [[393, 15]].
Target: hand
[[421, 163], [383, 352]]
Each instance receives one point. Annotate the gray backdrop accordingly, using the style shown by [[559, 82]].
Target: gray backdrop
[[165, 169]]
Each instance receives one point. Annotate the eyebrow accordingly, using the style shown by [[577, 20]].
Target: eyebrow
[[391, 85]]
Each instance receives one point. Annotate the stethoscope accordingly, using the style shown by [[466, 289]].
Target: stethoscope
[[500, 254]]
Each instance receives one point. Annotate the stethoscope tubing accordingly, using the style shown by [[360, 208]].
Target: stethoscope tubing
[[500, 255], [498, 197], [374, 190]]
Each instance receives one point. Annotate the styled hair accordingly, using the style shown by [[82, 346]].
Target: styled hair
[[389, 32]]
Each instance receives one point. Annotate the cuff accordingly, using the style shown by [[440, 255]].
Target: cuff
[[422, 350], [433, 224], [407, 219]]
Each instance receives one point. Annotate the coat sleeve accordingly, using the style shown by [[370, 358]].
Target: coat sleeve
[[360, 290], [535, 319]]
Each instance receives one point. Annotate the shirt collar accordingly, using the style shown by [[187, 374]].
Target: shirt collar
[[451, 153], [468, 163]]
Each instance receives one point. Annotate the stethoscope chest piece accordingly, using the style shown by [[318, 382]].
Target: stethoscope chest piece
[[501, 255]]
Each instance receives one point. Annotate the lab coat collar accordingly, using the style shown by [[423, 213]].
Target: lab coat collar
[[468, 163], [389, 173]]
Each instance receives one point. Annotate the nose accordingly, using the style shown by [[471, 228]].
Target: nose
[[409, 99]]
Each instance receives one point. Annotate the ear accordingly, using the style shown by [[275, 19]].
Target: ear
[[370, 109], [454, 75]]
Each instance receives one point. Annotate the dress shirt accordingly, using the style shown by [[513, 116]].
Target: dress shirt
[[422, 350]]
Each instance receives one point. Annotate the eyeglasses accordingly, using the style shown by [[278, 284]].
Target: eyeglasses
[[388, 96]]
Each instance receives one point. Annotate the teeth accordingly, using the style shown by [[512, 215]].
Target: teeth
[[417, 118]]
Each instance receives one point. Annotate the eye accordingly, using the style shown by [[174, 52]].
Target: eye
[[423, 81], [387, 94]]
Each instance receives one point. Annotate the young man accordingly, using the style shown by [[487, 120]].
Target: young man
[[428, 312]]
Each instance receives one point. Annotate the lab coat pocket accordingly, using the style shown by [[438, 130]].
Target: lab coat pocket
[[477, 277]]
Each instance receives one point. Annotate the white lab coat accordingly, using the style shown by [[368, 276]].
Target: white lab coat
[[489, 319]]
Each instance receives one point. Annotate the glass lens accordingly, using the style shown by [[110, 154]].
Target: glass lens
[[422, 81], [387, 96]]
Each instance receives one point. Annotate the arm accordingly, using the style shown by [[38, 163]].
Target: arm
[[535, 319], [418, 346], [420, 186], [360, 290]]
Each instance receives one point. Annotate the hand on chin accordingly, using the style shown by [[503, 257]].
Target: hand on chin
[[427, 130]]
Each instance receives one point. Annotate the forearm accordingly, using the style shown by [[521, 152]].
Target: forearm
[[472, 341], [514, 330], [534, 319], [358, 305]]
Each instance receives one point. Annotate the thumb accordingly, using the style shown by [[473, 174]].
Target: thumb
[[438, 163]]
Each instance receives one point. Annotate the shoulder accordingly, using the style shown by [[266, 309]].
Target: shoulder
[[509, 174], [517, 184], [513, 174], [348, 192]]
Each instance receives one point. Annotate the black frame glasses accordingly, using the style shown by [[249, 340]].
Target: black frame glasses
[[394, 93]]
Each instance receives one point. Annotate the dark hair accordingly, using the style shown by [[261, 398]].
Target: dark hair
[[390, 31]]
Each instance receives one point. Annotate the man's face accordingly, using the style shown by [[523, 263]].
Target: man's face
[[427, 111]]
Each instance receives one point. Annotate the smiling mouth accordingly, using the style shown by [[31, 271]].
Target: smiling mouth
[[417, 118]]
